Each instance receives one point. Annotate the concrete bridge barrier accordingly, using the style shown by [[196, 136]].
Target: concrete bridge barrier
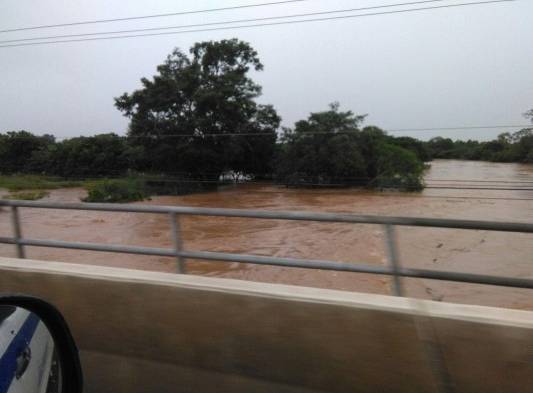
[[141, 331]]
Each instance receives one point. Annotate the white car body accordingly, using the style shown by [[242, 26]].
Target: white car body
[[23, 334]]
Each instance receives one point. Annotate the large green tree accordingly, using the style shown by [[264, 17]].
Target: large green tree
[[94, 156], [323, 149], [18, 149], [329, 149], [209, 97], [398, 168]]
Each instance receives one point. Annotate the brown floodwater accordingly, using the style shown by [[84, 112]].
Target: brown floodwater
[[495, 253]]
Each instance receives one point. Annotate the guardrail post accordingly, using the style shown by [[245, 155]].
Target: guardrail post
[[423, 323], [17, 233], [178, 245], [392, 254]]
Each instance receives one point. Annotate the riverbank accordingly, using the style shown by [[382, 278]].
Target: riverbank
[[118, 189], [14, 183]]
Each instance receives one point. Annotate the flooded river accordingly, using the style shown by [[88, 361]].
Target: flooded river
[[456, 189]]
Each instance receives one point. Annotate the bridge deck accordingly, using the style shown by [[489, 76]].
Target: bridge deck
[[145, 331]]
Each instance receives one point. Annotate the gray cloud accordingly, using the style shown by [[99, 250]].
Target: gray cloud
[[441, 68]]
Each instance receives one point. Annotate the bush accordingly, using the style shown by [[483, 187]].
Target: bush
[[398, 168], [323, 150], [117, 190]]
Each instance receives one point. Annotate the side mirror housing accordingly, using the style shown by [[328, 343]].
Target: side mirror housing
[[37, 351]]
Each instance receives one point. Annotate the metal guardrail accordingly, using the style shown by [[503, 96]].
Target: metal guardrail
[[393, 269]]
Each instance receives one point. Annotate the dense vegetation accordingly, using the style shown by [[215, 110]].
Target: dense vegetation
[[188, 118], [329, 149], [116, 190], [197, 120], [516, 147], [508, 147]]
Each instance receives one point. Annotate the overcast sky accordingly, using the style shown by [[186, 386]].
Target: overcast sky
[[465, 66]]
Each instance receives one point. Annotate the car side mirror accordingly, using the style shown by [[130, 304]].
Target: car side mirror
[[37, 351]]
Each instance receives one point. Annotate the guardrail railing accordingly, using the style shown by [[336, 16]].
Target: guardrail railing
[[393, 269]]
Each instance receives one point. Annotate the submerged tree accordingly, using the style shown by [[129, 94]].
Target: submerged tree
[[329, 149], [398, 168], [189, 116], [323, 150]]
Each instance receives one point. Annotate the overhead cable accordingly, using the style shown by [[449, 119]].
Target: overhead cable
[[217, 23], [340, 17], [123, 19]]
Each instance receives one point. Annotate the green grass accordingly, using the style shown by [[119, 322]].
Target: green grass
[[32, 195], [36, 182]]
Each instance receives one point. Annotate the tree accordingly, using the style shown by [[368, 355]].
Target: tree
[[529, 115], [370, 138], [189, 116], [440, 147], [524, 145], [17, 149], [323, 149], [398, 168], [95, 156], [414, 145], [329, 149]]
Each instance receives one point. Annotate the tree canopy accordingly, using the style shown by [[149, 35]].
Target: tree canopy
[[18, 149], [329, 149], [508, 147], [188, 117]]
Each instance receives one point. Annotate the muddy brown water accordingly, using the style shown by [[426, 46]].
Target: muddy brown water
[[496, 253]]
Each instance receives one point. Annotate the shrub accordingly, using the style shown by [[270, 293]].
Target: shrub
[[117, 190], [325, 149], [398, 168]]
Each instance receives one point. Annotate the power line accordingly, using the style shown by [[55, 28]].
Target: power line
[[88, 22], [476, 186], [479, 188], [174, 176], [384, 194], [479, 181], [459, 128], [168, 175], [219, 23], [356, 181], [259, 24], [385, 185], [353, 186], [229, 134]]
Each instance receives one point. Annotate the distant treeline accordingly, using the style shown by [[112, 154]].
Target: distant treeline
[[516, 147], [197, 121]]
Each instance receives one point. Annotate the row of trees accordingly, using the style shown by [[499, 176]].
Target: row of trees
[[95, 156], [328, 148], [198, 119], [516, 147]]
